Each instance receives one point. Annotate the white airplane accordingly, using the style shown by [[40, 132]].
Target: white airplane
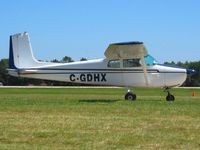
[[126, 64]]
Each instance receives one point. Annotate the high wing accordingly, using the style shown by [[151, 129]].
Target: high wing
[[127, 50]]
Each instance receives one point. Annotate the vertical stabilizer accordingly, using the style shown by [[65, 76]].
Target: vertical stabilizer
[[21, 55]]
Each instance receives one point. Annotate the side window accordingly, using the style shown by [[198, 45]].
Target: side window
[[150, 61], [114, 64], [131, 63]]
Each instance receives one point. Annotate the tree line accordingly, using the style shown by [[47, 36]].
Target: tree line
[[5, 79], [192, 80]]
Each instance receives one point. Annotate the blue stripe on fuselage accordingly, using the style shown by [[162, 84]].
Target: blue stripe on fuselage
[[165, 65]]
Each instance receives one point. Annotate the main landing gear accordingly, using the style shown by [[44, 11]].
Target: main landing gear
[[130, 96], [169, 96]]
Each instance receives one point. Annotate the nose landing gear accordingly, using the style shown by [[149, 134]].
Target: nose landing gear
[[169, 96]]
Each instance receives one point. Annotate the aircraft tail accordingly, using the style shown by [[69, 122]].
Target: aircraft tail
[[20, 54]]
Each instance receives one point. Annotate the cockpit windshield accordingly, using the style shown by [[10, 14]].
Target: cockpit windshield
[[150, 61]]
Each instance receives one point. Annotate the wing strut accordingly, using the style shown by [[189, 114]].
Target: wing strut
[[145, 72]]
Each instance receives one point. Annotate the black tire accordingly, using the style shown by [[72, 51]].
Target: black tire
[[170, 97], [130, 96]]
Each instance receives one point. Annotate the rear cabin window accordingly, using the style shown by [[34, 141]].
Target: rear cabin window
[[131, 63], [114, 64]]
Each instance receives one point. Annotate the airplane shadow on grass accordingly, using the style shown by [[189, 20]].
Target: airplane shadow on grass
[[114, 101], [98, 101]]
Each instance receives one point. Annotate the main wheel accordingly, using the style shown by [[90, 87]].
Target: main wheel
[[170, 97], [130, 96]]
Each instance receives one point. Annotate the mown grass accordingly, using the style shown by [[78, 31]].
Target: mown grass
[[98, 119]]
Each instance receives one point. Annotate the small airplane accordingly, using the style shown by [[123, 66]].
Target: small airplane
[[126, 64]]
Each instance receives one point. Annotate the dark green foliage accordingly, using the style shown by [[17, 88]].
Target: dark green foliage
[[67, 59], [55, 60], [83, 59], [192, 80], [3, 72]]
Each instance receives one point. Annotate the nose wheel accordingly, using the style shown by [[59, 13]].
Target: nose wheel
[[169, 96], [130, 96]]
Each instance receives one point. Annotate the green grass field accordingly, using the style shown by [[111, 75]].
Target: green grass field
[[98, 119]]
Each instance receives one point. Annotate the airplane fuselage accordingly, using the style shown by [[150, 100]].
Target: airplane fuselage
[[98, 72]]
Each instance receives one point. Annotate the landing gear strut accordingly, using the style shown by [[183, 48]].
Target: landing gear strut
[[130, 96], [169, 96]]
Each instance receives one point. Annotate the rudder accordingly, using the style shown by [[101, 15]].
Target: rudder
[[20, 53]]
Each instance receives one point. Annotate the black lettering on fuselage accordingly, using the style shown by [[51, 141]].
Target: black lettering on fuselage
[[88, 77], [82, 77], [103, 77], [96, 77], [72, 77]]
